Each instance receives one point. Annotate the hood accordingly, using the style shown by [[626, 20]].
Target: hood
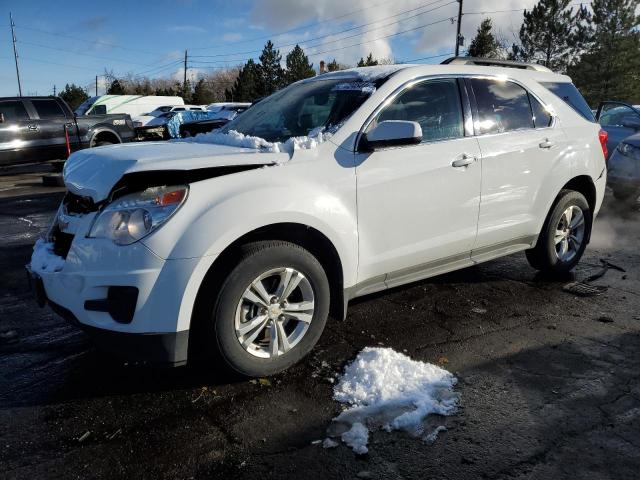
[[94, 172]]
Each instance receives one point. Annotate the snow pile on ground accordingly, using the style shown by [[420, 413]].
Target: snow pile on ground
[[43, 259], [386, 389], [237, 139]]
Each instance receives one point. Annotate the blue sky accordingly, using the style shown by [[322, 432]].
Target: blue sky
[[72, 41]]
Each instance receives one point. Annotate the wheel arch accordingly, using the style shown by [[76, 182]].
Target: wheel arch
[[317, 243], [104, 134], [583, 184]]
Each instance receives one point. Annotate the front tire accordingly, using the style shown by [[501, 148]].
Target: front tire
[[564, 235], [271, 309]]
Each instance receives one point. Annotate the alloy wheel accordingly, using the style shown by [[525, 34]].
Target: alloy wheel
[[274, 312]]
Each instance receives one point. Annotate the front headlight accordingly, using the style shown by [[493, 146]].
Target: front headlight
[[629, 150], [134, 216]]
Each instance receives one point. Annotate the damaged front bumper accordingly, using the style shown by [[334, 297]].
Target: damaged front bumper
[[126, 297]]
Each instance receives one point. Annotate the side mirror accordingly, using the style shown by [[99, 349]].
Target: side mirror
[[392, 133], [1, 117]]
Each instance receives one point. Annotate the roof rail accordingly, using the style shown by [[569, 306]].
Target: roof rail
[[494, 62]]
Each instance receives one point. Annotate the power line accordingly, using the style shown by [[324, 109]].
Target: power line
[[344, 31], [82, 53], [98, 42], [381, 38], [413, 60]]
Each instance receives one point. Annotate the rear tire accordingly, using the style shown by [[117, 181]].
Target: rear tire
[[564, 235], [255, 293]]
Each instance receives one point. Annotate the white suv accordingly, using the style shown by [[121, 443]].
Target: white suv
[[243, 241]]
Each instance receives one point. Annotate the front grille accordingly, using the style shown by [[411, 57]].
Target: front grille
[[61, 242], [76, 204]]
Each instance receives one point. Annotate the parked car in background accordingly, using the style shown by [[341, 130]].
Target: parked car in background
[[39, 129], [334, 187], [134, 105], [161, 115], [624, 169], [620, 120], [221, 117], [215, 107]]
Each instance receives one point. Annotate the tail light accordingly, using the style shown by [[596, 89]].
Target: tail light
[[603, 136]]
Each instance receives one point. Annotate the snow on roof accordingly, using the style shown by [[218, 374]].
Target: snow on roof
[[364, 73], [384, 388]]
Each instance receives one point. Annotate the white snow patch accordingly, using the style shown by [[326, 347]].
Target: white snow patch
[[237, 139], [357, 438], [384, 388], [43, 259]]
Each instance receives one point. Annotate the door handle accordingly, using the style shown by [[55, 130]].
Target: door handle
[[32, 127], [546, 143], [463, 161]]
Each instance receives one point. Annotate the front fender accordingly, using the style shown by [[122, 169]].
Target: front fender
[[220, 210]]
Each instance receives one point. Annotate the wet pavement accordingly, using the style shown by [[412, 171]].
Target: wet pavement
[[548, 381]]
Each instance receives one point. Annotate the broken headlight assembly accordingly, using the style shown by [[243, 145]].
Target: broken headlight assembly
[[132, 217], [629, 150]]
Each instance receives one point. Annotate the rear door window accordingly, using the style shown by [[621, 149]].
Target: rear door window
[[541, 118], [48, 109], [503, 106], [434, 104], [570, 94], [13, 111]]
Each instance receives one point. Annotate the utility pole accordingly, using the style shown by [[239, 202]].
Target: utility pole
[[15, 53], [459, 38], [184, 82], [96, 85]]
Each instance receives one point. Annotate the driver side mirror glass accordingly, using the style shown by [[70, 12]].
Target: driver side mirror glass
[[392, 133]]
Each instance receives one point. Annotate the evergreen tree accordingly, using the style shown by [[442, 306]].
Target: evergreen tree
[[298, 66], [272, 72], [73, 95], [202, 95], [369, 62], [115, 88], [551, 34], [248, 86], [484, 44], [333, 66], [610, 67]]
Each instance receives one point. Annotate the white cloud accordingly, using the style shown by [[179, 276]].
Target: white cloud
[[423, 41]]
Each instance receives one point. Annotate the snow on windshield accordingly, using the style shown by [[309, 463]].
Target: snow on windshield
[[237, 139], [386, 389]]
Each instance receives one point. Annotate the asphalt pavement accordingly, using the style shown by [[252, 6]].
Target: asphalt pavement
[[548, 380]]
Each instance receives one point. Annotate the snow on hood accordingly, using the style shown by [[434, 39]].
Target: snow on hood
[[93, 172], [384, 388], [237, 139]]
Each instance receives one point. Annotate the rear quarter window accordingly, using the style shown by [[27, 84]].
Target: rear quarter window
[[570, 94]]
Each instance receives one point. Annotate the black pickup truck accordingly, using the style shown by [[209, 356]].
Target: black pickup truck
[[35, 129]]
